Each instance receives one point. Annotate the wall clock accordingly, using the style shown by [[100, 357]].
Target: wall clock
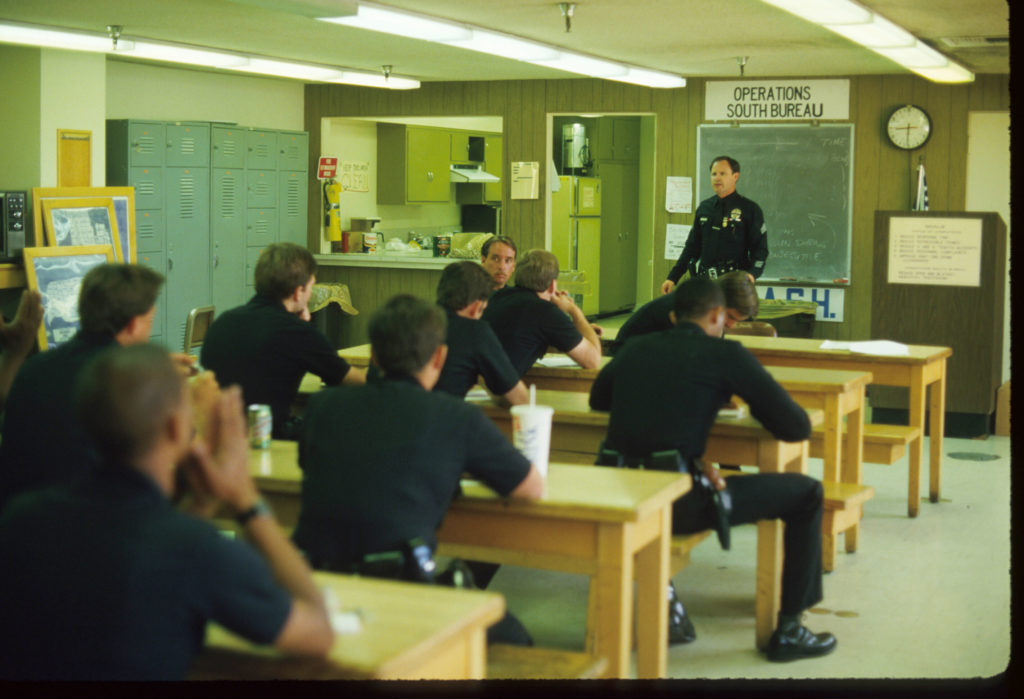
[[909, 127]]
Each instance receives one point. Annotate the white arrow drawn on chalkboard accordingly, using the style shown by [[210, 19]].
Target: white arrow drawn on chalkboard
[[813, 218]]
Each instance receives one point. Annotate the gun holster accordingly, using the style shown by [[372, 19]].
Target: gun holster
[[412, 561], [671, 460]]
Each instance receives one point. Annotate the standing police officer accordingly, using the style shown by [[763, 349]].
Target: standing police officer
[[728, 231]]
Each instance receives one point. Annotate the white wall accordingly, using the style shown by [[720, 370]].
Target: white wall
[[72, 88], [152, 91], [988, 187]]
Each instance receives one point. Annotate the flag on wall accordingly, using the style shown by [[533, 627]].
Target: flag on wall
[[921, 202]]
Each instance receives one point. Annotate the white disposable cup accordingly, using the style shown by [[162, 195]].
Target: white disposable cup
[[531, 433]]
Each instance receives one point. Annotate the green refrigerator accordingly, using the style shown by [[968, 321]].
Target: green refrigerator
[[576, 232]]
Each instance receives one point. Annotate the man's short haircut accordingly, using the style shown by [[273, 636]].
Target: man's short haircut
[[281, 268], [695, 297], [405, 332], [733, 163], [504, 239], [124, 395], [536, 270], [112, 294], [462, 283], [740, 293]]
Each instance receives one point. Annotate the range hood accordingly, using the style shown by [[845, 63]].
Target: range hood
[[471, 173]]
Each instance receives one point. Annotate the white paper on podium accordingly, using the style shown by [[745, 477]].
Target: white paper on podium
[[881, 348]]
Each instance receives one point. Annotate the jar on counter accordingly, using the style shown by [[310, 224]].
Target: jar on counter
[[442, 245]]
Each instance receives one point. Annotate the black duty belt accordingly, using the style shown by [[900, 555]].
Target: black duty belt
[[413, 561], [672, 460]]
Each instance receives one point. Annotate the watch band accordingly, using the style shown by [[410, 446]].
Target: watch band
[[260, 507]]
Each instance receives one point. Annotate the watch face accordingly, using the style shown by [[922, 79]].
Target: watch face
[[909, 127]]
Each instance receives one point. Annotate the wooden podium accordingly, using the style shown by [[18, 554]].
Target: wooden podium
[[939, 279]]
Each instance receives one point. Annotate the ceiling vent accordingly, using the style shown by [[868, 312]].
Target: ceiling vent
[[974, 42]]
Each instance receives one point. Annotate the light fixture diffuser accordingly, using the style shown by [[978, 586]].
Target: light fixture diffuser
[[28, 35], [411, 26], [287, 69], [352, 77], [920, 55], [505, 46], [181, 54], [878, 33], [584, 65], [825, 11], [650, 78]]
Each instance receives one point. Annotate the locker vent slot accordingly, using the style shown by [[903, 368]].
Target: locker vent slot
[[145, 144], [145, 188], [187, 191], [188, 145], [228, 198], [292, 206]]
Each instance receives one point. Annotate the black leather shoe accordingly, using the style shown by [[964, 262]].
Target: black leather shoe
[[680, 628], [796, 641]]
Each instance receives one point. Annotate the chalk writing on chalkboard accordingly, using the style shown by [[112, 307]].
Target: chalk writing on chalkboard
[[802, 177]]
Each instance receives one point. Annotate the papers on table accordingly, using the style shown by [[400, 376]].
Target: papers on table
[[477, 393], [881, 348], [558, 360], [736, 411]]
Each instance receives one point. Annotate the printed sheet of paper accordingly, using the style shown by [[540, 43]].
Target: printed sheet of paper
[[935, 251], [881, 348], [675, 238], [679, 195]]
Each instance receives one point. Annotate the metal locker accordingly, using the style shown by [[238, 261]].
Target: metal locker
[[146, 143], [149, 230], [227, 147], [292, 207], [261, 227], [261, 150], [157, 261], [292, 150], [188, 145], [227, 228], [261, 189]]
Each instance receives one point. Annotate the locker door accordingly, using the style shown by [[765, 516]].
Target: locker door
[[157, 261], [149, 186], [260, 228], [228, 147], [188, 145], [292, 207], [227, 230], [261, 189], [292, 151], [252, 255], [146, 142], [149, 231], [261, 150], [188, 247]]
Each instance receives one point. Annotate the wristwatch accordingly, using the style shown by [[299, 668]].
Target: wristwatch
[[259, 508]]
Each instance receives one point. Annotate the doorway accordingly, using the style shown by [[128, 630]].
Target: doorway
[[617, 151]]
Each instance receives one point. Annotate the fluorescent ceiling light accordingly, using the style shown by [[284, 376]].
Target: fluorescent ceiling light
[[920, 55], [351, 77], [825, 11], [584, 65], [505, 46], [181, 54], [650, 78], [850, 20], [379, 19], [953, 73], [287, 69], [878, 33], [53, 38]]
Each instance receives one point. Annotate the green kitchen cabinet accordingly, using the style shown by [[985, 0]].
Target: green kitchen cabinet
[[412, 164]]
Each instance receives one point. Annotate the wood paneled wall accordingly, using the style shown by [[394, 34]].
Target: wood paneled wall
[[883, 175]]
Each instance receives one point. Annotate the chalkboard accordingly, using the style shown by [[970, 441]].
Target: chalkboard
[[802, 177]]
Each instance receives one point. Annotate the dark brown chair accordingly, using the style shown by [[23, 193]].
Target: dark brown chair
[[753, 327]]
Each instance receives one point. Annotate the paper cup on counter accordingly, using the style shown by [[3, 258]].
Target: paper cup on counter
[[531, 433]]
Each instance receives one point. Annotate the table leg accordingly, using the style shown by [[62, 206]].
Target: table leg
[[652, 575], [853, 456], [917, 401], [611, 589], [768, 591], [833, 438], [937, 428]]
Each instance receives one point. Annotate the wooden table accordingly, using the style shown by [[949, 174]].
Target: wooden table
[[923, 368], [616, 528], [410, 631], [577, 432]]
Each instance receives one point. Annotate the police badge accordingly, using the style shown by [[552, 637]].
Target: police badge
[[735, 214]]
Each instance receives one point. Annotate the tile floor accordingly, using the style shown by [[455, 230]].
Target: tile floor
[[923, 598]]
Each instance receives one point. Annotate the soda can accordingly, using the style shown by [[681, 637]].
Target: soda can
[[260, 423]]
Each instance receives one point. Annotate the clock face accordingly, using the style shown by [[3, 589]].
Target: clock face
[[909, 127]]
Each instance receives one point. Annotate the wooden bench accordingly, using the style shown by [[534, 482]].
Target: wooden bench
[[522, 663], [843, 504], [883, 444]]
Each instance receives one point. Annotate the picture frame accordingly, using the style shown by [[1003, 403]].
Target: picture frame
[[82, 222], [124, 208], [57, 273]]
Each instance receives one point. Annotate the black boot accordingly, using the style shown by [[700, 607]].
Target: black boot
[[792, 641], [680, 628]]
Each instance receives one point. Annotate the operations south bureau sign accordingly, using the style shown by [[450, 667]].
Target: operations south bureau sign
[[776, 100]]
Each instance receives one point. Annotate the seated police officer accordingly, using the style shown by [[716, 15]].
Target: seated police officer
[[664, 390], [381, 462], [473, 349], [741, 303], [105, 580], [534, 315]]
